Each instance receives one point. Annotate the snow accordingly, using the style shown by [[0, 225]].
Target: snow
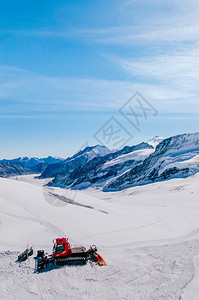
[[138, 155], [92, 152], [155, 141], [148, 235], [102, 150], [98, 151], [191, 292], [185, 156], [175, 157]]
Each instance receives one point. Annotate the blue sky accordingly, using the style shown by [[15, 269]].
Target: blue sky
[[66, 67]]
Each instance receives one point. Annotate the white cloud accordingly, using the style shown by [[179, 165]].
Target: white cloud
[[167, 76], [27, 93], [166, 21], [150, 21], [172, 78]]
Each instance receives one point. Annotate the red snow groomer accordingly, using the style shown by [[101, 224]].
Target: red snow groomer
[[63, 254]]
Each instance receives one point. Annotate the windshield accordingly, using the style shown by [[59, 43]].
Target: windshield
[[59, 248]]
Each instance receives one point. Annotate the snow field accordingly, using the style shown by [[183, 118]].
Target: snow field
[[148, 236]]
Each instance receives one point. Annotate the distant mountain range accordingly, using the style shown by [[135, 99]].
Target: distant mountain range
[[30, 162], [79, 172], [26, 165], [158, 159], [98, 166]]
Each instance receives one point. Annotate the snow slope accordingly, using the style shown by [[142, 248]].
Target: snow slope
[[138, 155], [148, 235], [177, 156]]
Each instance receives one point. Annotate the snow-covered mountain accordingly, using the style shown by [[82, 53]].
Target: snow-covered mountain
[[30, 162], [12, 168], [81, 171], [65, 167], [94, 151], [100, 170], [176, 156], [34, 164]]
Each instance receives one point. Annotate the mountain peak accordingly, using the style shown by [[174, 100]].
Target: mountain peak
[[155, 141]]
